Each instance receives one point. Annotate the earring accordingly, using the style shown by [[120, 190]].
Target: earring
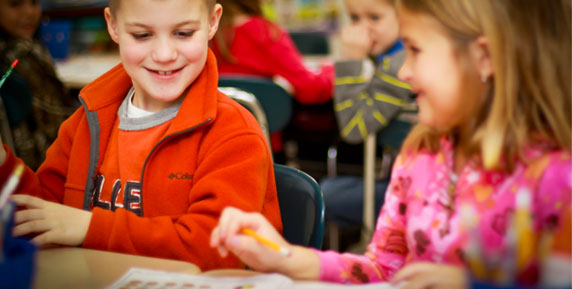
[[484, 78]]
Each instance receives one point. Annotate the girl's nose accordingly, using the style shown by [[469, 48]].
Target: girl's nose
[[164, 50], [404, 72]]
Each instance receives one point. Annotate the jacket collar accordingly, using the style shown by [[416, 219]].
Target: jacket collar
[[200, 104]]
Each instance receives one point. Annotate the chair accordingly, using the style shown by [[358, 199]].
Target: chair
[[301, 206], [249, 101], [311, 42], [275, 101], [389, 139], [15, 106]]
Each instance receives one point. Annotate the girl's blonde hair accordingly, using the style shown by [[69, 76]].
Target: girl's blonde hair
[[529, 98]]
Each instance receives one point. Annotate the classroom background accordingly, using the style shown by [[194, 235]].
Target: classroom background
[[74, 31]]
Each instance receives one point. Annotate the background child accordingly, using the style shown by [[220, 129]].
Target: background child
[[36, 98], [366, 101], [249, 44], [498, 129], [148, 163]]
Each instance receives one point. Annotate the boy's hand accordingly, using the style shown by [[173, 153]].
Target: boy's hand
[[429, 275], [50, 223], [356, 43]]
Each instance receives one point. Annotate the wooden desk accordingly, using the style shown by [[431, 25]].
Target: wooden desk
[[91, 269], [78, 71]]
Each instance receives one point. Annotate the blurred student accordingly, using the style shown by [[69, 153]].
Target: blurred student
[[155, 153], [249, 44], [493, 85], [37, 99], [366, 100]]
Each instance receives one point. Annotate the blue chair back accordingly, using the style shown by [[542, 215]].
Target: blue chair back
[[311, 42], [394, 133], [17, 98], [301, 206], [251, 103], [276, 102]]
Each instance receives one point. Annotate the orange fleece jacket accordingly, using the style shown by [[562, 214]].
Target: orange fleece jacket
[[214, 142]]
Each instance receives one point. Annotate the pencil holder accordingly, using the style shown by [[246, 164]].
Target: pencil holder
[[484, 285], [56, 37], [17, 265]]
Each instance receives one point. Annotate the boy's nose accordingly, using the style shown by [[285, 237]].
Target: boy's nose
[[164, 51]]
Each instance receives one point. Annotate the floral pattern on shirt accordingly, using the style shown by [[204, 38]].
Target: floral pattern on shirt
[[420, 221]]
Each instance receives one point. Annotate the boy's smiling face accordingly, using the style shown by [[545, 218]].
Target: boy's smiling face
[[163, 46]]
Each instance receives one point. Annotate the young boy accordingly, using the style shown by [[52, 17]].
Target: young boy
[[366, 101], [373, 34], [156, 152]]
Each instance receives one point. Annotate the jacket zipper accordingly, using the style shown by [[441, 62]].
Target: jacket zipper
[[160, 143]]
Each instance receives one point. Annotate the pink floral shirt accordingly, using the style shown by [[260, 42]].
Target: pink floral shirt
[[417, 222]]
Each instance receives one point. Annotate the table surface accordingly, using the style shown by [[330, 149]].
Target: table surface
[[80, 268], [79, 70]]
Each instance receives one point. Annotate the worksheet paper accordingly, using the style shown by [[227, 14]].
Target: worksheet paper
[[137, 278]]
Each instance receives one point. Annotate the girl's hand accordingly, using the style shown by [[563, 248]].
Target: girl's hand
[[355, 42], [303, 263], [50, 223], [429, 275], [227, 237]]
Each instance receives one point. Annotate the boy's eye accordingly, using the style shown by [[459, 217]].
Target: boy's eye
[[184, 34], [374, 17], [354, 18], [413, 49], [140, 36], [15, 3]]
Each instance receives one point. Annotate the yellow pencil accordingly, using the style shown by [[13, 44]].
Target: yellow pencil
[[283, 251]]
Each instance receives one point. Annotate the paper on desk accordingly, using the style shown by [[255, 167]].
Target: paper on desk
[[325, 285], [154, 279]]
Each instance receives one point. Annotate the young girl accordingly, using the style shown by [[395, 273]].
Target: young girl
[[35, 122], [249, 44], [493, 85]]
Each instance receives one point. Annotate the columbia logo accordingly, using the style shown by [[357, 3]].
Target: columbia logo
[[180, 176]]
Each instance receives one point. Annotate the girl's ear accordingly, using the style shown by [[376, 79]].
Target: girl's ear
[[482, 58], [214, 20], [111, 25]]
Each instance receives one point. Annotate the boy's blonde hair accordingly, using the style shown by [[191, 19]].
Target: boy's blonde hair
[[114, 5], [529, 96]]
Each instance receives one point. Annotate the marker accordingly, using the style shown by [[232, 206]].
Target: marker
[[523, 227], [8, 72], [11, 184], [473, 249], [283, 251]]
